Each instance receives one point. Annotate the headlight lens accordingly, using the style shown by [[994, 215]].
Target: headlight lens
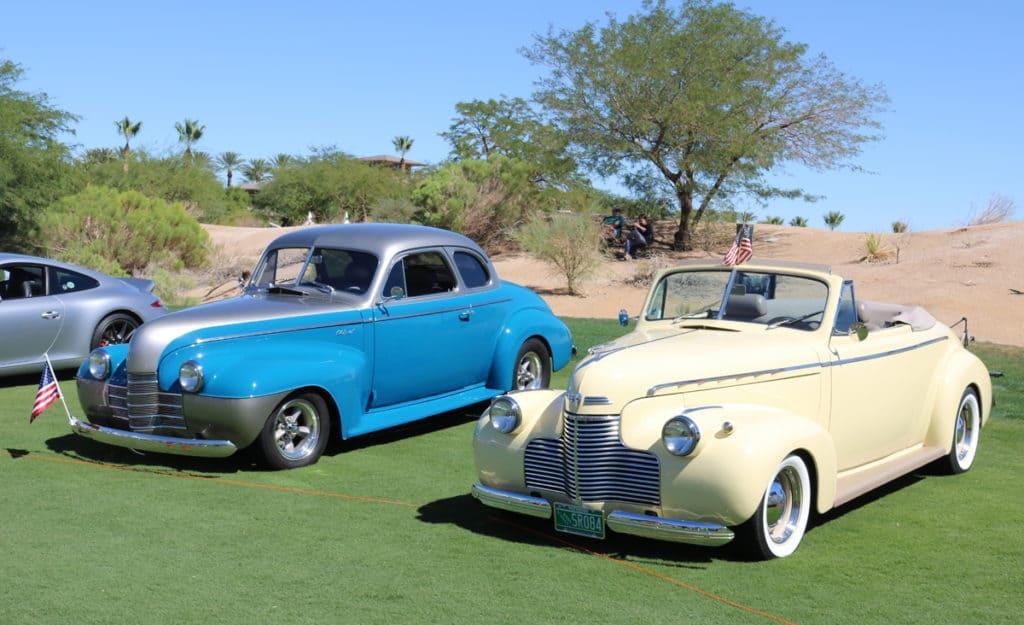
[[680, 435], [190, 376], [505, 414], [99, 364]]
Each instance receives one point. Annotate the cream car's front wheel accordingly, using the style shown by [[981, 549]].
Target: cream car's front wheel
[[778, 526], [966, 429]]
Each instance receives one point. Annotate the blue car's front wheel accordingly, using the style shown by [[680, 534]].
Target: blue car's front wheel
[[296, 433], [532, 369]]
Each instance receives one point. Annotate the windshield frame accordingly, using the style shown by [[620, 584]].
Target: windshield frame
[[827, 301], [261, 266]]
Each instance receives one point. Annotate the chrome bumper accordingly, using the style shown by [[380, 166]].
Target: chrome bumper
[[150, 442], [673, 530], [513, 502]]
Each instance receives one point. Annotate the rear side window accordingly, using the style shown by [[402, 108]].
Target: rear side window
[[473, 272], [427, 273], [64, 281]]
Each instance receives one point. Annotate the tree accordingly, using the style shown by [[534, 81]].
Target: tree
[[229, 162], [34, 166], [402, 145], [189, 131], [773, 220], [282, 160], [899, 227], [798, 222], [510, 127], [256, 170], [127, 129], [833, 219], [570, 243], [94, 156], [706, 98]]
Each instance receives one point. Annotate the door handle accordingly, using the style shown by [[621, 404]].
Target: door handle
[[50, 314], [465, 315]]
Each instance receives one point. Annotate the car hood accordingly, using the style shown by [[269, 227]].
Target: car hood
[[663, 361], [245, 314]]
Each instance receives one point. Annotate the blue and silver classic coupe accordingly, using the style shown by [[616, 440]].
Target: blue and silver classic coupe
[[341, 331]]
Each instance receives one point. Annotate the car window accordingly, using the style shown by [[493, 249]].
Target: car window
[[65, 281], [473, 272], [427, 273], [396, 280], [349, 271], [694, 294], [846, 314], [22, 282], [281, 266]]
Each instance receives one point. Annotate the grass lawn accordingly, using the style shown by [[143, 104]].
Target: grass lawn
[[382, 531]]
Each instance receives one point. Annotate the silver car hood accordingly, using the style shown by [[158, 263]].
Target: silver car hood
[[150, 340]]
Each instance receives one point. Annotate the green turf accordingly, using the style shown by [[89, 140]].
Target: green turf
[[81, 542]]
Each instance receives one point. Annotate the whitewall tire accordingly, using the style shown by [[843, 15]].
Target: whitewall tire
[[778, 525], [966, 430]]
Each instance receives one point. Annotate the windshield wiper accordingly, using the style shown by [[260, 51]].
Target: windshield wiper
[[786, 322], [323, 288]]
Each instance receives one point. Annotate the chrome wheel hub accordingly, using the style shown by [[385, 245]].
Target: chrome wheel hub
[[965, 431], [783, 503], [529, 372], [296, 429]]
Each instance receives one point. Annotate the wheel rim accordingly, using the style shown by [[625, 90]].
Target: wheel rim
[[783, 505], [296, 429], [965, 436], [117, 332], [529, 372]]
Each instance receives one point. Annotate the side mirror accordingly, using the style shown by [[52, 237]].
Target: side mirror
[[243, 279], [397, 292], [623, 318], [860, 330]]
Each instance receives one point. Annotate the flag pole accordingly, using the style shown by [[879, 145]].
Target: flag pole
[[60, 393]]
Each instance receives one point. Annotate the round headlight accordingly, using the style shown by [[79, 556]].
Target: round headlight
[[190, 376], [505, 414], [99, 364], [680, 435]]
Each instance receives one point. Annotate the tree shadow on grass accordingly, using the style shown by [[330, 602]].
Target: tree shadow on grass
[[422, 427]]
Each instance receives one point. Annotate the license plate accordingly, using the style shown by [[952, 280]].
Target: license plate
[[579, 521]]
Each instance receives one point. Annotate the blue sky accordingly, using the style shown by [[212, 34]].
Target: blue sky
[[284, 76]]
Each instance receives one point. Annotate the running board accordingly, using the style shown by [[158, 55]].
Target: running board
[[864, 479]]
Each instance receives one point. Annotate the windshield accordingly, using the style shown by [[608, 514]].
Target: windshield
[[770, 299], [329, 270]]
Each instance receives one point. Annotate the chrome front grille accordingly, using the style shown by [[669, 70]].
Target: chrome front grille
[[141, 406], [590, 463]]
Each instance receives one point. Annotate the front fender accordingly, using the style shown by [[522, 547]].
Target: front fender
[[118, 355], [724, 479], [275, 364], [498, 456], [519, 327]]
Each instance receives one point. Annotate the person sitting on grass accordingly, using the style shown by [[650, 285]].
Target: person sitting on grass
[[612, 225], [640, 237]]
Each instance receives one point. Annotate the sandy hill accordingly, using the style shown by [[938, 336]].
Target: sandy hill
[[952, 273]]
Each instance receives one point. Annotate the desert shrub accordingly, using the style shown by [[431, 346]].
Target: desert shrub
[[715, 231], [484, 199], [798, 222], [900, 227], [998, 209], [833, 219], [773, 220], [874, 248], [196, 187], [328, 185], [569, 243], [123, 232], [647, 269], [171, 286], [397, 210]]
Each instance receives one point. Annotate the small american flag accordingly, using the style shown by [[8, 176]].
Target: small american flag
[[48, 392], [742, 248]]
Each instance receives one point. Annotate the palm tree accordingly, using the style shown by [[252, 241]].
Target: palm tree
[[798, 222], [773, 220], [282, 160], [402, 145], [256, 170], [746, 217], [189, 132], [229, 162], [899, 227], [833, 219], [99, 156], [127, 129]]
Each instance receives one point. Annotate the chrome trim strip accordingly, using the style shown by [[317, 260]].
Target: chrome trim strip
[[835, 363], [513, 502], [243, 335], [151, 442], [690, 532], [438, 312], [596, 400]]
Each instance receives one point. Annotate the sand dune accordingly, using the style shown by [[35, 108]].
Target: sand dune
[[952, 273]]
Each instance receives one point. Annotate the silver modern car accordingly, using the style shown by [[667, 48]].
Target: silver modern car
[[64, 310]]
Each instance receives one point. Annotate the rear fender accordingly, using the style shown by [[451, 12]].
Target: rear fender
[[519, 327], [961, 370]]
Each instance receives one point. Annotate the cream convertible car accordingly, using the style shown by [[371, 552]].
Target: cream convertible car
[[742, 400]]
